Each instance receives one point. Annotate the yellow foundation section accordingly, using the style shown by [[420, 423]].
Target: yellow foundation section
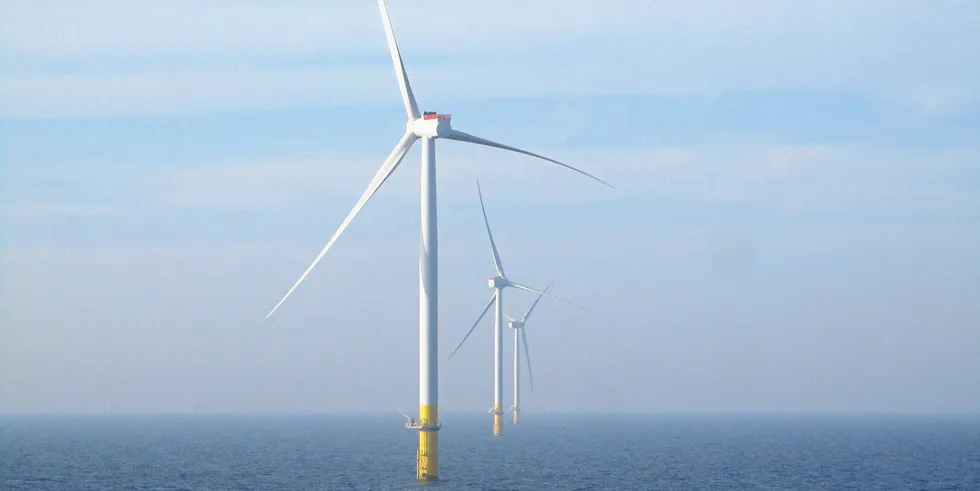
[[498, 420], [516, 413], [427, 459]]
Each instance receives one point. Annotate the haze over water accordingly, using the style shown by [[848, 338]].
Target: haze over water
[[550, 451]]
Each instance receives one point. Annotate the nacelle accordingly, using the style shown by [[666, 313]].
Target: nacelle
[[498, 282], [431, 125]]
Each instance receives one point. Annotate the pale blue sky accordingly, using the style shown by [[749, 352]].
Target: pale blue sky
[[796, 224]]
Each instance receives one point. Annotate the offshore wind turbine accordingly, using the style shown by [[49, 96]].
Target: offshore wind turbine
[[497, 283], [427, 127], [520, 338]]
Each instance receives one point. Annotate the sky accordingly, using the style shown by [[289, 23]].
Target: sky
[[795, 224]]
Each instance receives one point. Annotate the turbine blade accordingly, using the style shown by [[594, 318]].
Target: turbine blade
[[509, 318], [478, 319], [466, 137], [528, 314], [411, 107], [493, 246], [527, 356], [532, 290], [389, 165]]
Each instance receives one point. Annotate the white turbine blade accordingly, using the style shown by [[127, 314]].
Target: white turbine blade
[[466, 137], [493, 246], [478, 319], [527, 356], [528, 314], [389, 165], [411, 107], [532, 290], [509, 318]]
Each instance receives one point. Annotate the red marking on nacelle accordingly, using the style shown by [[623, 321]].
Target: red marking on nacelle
[[428, 116]]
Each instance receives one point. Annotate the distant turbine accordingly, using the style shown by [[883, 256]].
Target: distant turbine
[[519, 335], [425, 126], [498, 283]]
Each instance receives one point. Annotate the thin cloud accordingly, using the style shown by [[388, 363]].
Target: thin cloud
[[773, 178], [251, 55], [53, 209]]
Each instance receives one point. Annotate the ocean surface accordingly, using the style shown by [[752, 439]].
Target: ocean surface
[[546, 451]]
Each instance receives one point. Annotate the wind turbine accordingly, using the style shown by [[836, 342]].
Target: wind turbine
[[520, 337], [427, 126], [497, 283]]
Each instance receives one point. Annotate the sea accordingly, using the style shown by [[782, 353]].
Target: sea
[[545, 452]]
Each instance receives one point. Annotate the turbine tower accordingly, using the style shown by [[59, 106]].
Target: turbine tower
[[520, 337], [428, 127], [497, 283]]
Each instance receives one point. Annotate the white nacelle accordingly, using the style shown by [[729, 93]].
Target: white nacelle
[[515, 324], [431, 125], [497, 282]]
